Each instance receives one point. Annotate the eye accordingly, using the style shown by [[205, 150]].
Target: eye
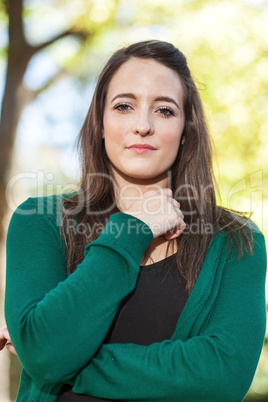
[[165, 111], [122, 107]]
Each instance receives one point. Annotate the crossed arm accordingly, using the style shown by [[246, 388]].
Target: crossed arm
[[58, 324]]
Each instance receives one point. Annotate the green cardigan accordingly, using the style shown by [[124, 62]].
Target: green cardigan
[[57, 323]]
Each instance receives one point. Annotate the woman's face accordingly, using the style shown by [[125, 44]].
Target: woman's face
[[143, 120]]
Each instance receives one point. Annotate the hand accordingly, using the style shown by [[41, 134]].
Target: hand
[[5, 340], [160, 211]]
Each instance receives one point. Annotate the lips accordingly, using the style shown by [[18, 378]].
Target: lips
[[141, 146]]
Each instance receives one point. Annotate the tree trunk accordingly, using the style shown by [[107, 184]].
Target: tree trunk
[[12, 107], [15, 98]]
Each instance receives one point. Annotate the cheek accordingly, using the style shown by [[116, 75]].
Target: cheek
[[112, 140], [112, 128], [171, 140], [172, 137]]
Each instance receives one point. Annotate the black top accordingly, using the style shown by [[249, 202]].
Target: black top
[[148, 314]]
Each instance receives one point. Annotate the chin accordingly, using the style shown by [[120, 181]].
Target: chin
[[140, 175], [143, 177]]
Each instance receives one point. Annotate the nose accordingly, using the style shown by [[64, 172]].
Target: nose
[[143, 124]]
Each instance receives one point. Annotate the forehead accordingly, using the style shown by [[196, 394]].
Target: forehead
[[145, 76]]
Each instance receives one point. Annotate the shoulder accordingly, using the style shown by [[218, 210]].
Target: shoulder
[[240, 258], [47, 206], [252, 239], [238, 229], [242, 242], [236, 235], [40, 205], [36, 214], [247, 229], [258, 241]]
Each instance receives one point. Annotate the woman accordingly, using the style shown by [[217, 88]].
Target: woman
[[138, 287]]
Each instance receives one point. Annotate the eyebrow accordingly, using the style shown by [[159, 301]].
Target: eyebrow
[[157, 99]]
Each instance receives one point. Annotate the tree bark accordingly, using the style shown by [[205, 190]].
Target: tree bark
[[13, 99]]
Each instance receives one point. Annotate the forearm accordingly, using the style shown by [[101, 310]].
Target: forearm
[[195, 370]]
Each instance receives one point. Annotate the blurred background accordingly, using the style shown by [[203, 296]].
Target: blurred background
[[51, 52]]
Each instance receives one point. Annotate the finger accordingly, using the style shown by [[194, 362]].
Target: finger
[[173, 235], [174, 202], [11, 348], [177, 210], [180, 214], [176, 231]]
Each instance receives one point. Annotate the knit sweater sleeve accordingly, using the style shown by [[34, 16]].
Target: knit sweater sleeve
[[57, 323], [218, 363]]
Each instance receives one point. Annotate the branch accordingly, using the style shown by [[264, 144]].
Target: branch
[[80, 33], [26, 95], [58, 76]]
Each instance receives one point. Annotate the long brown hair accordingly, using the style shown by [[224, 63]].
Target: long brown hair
[[192, 179]]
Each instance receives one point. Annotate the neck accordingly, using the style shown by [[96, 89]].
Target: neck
[[130, 187], [127, 189]]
